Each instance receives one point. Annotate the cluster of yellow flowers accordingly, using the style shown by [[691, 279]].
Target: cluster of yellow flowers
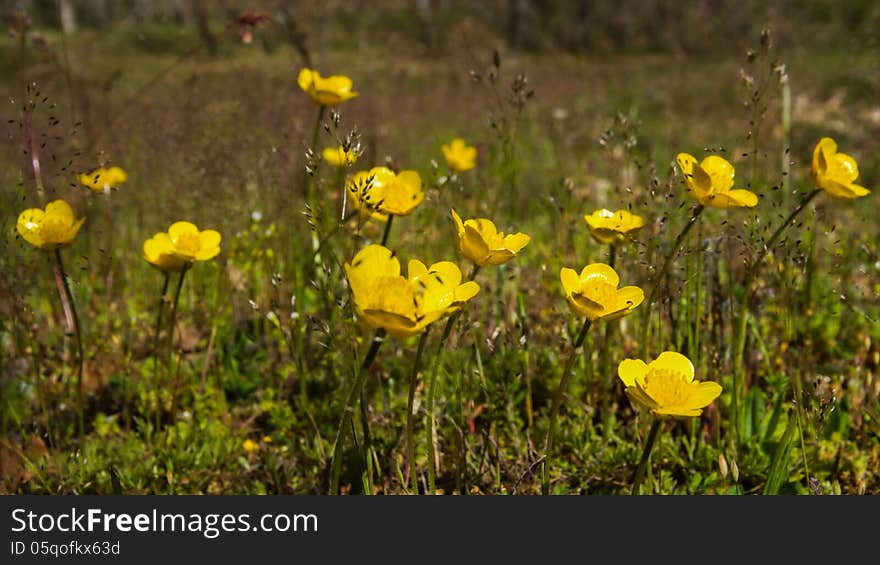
[[406, 305], [172, 251], [666, 385]]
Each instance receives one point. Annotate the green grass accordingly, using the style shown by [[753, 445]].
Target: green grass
[[268, 345]]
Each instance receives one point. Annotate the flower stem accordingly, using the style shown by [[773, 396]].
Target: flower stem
[[605, 379], [311, 173], [410, 401], [348, 411], [557, 402], [157, 385], [667, 261], [313, 148], [387, 230], [171, 325], [70, 306], [646, 453], [432, 380], [739, 340], [108, 284]]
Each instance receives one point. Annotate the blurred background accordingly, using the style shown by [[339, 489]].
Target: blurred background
[[571, 26]]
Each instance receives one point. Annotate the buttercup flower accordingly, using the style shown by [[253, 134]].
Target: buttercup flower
[[404, 306], [666, 385], [610, 227], [381, 192], [329, 91], [103, 179], [711, 182], [481, 242], [51, 228], [594, 292], [339, 157], [250, 446], [459, 155], [181, 246], [835, 172]]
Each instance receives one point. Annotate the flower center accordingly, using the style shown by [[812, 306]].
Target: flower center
[[666, 386], [600, 292], [188, 243]]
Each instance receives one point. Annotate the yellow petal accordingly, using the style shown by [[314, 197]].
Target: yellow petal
[[206, 253], [74, 229], [844, 168], [703, 394], [499, 256], [844, 190], [466, 291], [305, 78], [446, 273], [416, 270], [181, 228], [631, 370], [473, 246], [600, 272], [60, 211], [28, 226], [676, 362], [571, 282], [210, 238], [395, 324], [639, 397], [631, 296], [682, 411], [696, 179], [720, 172], [459, 226], [411, 179], [484, 226], [598, 218], [733, 199], [370, 263], [823, 153], [117, 176], [515, 242]]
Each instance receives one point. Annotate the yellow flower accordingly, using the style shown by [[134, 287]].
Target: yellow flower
[[181, 246], [835, 172], [51, 228], [250, 446], [481, 242], [459, 155], [329, 91], [595, 295], [381, 192], [339, 157], [711, 182], [666, 385], [404, 306], [608, 227], [102, 180]]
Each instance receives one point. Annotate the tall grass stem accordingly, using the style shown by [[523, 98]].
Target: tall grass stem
[[348, 410]]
